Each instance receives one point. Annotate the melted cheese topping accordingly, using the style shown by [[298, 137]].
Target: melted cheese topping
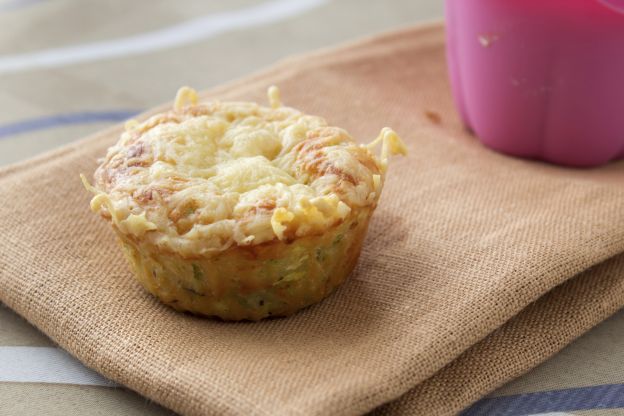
[[203, 177]]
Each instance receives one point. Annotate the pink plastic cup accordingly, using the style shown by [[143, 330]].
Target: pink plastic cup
[[541, 79]]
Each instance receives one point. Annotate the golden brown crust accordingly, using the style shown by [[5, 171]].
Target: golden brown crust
[[241, 173]]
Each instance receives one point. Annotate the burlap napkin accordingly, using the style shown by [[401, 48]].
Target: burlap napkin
[[476, 266]]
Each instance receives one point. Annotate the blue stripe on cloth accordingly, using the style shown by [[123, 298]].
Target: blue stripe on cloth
[[606, 396], [17, 4], [47, 122]]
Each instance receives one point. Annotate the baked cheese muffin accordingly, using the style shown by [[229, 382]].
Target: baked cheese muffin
[[240, 211]]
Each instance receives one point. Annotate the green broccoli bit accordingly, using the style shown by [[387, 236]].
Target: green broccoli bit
[[198, 274], [338, 239]]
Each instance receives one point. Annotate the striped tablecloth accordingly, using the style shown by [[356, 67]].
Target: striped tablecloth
[[68, 68]]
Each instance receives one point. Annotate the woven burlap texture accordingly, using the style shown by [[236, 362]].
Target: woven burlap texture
[[453, 294]]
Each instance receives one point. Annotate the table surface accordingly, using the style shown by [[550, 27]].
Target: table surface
[[69, 68]]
